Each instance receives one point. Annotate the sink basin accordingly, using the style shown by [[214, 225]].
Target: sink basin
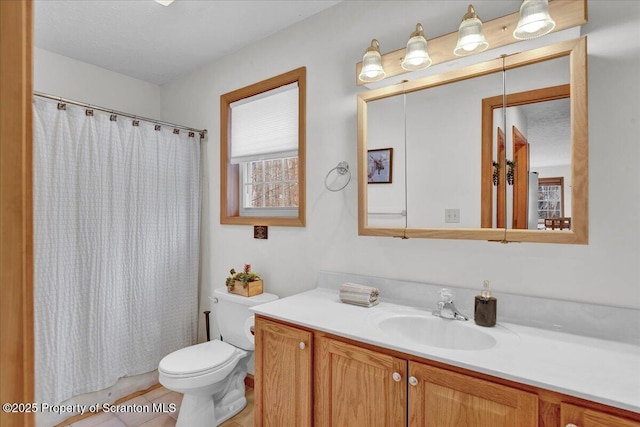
[[436, 332]]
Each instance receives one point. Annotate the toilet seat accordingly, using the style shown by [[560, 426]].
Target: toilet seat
[[198, 360]]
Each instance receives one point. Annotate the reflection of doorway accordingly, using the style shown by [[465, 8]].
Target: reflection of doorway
[[520, 179], [491, 202]]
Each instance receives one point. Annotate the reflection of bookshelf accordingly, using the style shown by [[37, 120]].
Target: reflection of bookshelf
[[550, 198], [557, 224]]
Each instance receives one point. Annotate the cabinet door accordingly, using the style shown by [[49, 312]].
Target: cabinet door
[[358, 387], [578, 416], [283, 368], [441, 398]]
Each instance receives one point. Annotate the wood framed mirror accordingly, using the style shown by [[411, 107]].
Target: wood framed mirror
[[471, 155]]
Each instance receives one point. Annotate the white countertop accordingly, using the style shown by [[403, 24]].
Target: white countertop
[[603, 371]]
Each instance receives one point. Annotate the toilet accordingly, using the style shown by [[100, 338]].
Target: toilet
[[211, 375]]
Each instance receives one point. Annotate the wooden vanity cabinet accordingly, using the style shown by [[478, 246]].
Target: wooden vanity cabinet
[[441, 398], [283, 373], [358, 387], [310, 378], [578, 416]]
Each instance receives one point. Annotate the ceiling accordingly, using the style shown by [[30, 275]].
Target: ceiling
[[549, 132], [154, 43]]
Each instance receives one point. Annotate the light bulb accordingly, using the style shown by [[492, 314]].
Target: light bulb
[[470, 47], [371, 74], [532, 27]]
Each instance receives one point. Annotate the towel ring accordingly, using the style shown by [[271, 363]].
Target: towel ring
[[342, 169]]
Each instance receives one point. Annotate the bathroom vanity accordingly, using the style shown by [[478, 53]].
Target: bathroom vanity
[[320, 362]]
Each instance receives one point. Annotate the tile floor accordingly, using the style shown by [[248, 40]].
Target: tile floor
[[156, 419]]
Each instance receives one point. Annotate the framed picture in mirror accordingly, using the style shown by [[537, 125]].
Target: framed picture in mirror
[[379, 167]]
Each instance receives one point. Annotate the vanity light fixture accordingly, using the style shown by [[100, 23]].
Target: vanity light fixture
[[535, 20], [470, 37], [372, 70], [416, 56], [164, 2]]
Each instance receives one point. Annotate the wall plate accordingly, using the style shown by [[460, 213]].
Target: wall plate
[[260, 232]]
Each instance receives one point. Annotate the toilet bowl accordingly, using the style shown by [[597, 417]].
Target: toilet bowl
[[211, 374]]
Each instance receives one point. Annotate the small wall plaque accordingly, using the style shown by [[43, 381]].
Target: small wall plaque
[[260, 232]]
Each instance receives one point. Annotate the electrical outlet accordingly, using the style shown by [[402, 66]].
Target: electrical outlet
[[452, 215]]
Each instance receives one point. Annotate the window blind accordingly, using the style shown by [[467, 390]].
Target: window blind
[[265, 126]]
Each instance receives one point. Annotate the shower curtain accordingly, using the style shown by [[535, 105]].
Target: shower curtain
[[116, 244]]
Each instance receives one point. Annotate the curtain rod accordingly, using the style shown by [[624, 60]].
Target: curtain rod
[[202, 132]]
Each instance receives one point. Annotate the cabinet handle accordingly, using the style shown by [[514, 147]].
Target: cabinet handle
[[413, 381], [302, 345], [571, 425], [396, 376]]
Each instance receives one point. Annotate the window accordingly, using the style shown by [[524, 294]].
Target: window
[[270, 187], [550, 198], [262, 152]]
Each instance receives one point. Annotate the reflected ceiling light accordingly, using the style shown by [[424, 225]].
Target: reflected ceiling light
[[535, 20], [372, 70], [470, 37], [164, 2], [416, 56]]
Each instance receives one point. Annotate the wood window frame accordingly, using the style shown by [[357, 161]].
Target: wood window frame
[[230, 174]]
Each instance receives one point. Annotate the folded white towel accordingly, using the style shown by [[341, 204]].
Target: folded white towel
[[360, 303], [365, 296], [359, 289]]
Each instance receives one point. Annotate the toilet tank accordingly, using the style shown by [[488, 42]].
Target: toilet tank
[[231, 312]]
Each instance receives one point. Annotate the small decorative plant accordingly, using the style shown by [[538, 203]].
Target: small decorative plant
[[245, 277]]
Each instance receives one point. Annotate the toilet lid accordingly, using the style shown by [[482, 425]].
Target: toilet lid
[[197, 358]]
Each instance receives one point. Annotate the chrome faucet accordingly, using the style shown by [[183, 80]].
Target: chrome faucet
[[446, 307]]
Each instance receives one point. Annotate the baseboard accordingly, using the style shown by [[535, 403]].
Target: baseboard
[[248, 381]]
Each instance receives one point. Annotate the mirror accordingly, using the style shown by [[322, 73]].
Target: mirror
[[442, 163], [385, 162], [447, 125], [533, 145]]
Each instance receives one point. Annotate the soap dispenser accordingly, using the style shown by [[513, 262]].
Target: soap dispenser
[[485, 307]]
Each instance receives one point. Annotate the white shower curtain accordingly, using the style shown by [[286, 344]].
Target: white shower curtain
[[116, 242]]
